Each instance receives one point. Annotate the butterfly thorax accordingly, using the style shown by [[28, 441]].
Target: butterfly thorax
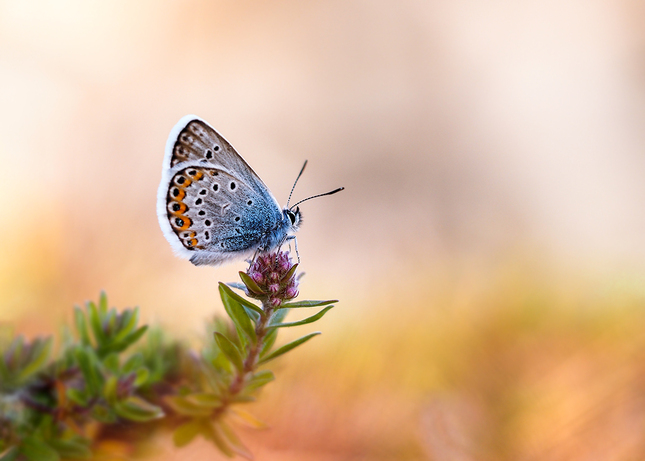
[[282, 231]]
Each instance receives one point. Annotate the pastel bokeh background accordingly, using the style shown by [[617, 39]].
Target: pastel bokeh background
[[488, 250]]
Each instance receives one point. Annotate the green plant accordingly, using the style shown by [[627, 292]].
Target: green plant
[[111, 378]]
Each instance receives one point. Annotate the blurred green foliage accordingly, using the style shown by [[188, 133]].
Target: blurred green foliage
[[109, 372]]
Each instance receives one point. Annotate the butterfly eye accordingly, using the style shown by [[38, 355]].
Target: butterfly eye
[[292, 217]]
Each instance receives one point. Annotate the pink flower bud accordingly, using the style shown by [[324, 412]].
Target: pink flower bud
[[275, 302], [291, 292]]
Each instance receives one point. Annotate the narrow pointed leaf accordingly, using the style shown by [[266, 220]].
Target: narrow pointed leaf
[[41, 354], [289, 274], [269, 340], [287, 347], [89, 367], [250, 283], [185, 433], [234, 441], [81, 325], [34, 449], [136, 409], [95, 323], [237, 285], [76, 448], [237, 313], [133, 337], [103, 304], [311, 319], [184, 406], [305, 304], [247, 418], [130, 320], [214, 434], [204, 399], [245, 302], [230, 350], [259, 379]]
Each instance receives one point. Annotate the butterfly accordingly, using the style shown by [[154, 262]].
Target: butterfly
[[212, 207]]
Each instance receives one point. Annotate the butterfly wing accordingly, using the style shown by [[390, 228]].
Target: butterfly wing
[[194, 139], [211, 205]]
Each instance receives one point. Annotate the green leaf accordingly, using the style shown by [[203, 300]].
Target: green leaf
[[129, 340], [289, 274], [287, 347], [142, 377], [183, 406], [89, 365], [35, 449], [95, 323], [185, 433], [111, 362], [214, 434], [81, 325], [243, 416], [311, 319], [243, 398], [133, 338], [39, 355], [258, 380], [255, 317], [77, 396], [269, 340], [250, 283], [129, 319], [135, 361], [76, 448], [238, 285], [103, 304], [233, 440], [233, 304], [135, 408], [300, 304], [204, 399], [230, 350], [109, 390]]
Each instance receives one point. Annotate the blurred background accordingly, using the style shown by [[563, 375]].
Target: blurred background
[[488, 250]]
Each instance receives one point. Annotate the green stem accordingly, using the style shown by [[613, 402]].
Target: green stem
[[251, 359]]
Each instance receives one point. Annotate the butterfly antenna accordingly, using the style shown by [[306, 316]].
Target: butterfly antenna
[[296, 182], [316, 196]]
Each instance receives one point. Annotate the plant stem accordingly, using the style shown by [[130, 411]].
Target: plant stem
[[251, 359]]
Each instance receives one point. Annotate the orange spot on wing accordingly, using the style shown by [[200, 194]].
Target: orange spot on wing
[[182, 208], [181, 222], [180, 196]]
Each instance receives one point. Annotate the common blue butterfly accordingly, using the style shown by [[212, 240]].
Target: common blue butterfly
[[212, 207]]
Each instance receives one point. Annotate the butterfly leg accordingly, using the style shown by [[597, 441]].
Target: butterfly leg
[[289, 238], [255, 255], [295, 242]]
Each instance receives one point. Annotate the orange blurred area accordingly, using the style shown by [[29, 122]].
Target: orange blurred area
[[488, 249]]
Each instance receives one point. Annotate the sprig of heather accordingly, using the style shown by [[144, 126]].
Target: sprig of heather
[[113, 378]]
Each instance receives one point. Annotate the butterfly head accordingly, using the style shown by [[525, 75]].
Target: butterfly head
[[294, 218]]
